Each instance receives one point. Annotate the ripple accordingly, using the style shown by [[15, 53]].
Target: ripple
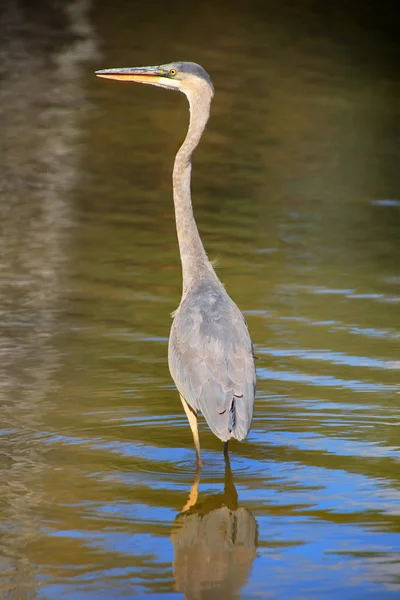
[[338, 446], [349, 293], [387, 202], [336, 358], [355, 385]]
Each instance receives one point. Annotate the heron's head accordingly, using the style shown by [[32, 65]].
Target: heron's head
[[187, 77]]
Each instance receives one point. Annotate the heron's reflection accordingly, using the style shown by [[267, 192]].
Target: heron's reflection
[[215, 543]]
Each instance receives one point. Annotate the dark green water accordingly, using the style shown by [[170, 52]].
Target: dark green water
[[296, 189]]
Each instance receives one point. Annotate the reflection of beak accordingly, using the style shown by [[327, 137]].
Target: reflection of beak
[[138, 74]]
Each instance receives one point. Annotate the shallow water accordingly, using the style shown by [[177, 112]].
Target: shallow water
[[296, 192]]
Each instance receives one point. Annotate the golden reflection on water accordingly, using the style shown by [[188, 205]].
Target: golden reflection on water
[[215, 542], [39, 101]]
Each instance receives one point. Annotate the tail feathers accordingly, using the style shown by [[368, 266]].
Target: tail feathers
[[232, 417], [233, 421], [239, 420]]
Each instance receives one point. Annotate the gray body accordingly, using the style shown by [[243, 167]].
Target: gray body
[[211, 359], [210, 351]]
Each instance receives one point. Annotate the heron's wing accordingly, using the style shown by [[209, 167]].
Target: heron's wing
[[211, 361]]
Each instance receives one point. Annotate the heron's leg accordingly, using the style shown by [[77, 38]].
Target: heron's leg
[[226, 450], [194, 491], [230, 491], [192, 418]]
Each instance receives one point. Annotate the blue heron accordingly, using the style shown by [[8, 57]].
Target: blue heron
[[210, 353]]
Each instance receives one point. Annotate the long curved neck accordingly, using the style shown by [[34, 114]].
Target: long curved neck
[[195, 264]]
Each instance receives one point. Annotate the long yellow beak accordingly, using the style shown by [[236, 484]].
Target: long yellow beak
[[137, 74]]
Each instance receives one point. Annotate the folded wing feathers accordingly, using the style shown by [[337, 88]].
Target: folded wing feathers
[[211, 361]]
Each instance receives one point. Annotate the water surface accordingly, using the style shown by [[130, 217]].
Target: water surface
[[296, 192]]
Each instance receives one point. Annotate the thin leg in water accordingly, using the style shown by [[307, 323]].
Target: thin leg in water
[[226, 450], [192, 418], [194, 491]]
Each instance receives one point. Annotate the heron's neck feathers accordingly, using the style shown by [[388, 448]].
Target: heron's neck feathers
[[195, 264]]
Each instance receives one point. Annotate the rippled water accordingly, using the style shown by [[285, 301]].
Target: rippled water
[[297, 192]]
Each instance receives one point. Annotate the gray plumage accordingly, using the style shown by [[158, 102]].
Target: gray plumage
[[210, 351], [210, 359]]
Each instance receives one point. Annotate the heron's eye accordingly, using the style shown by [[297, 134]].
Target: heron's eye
[[172, 72]]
